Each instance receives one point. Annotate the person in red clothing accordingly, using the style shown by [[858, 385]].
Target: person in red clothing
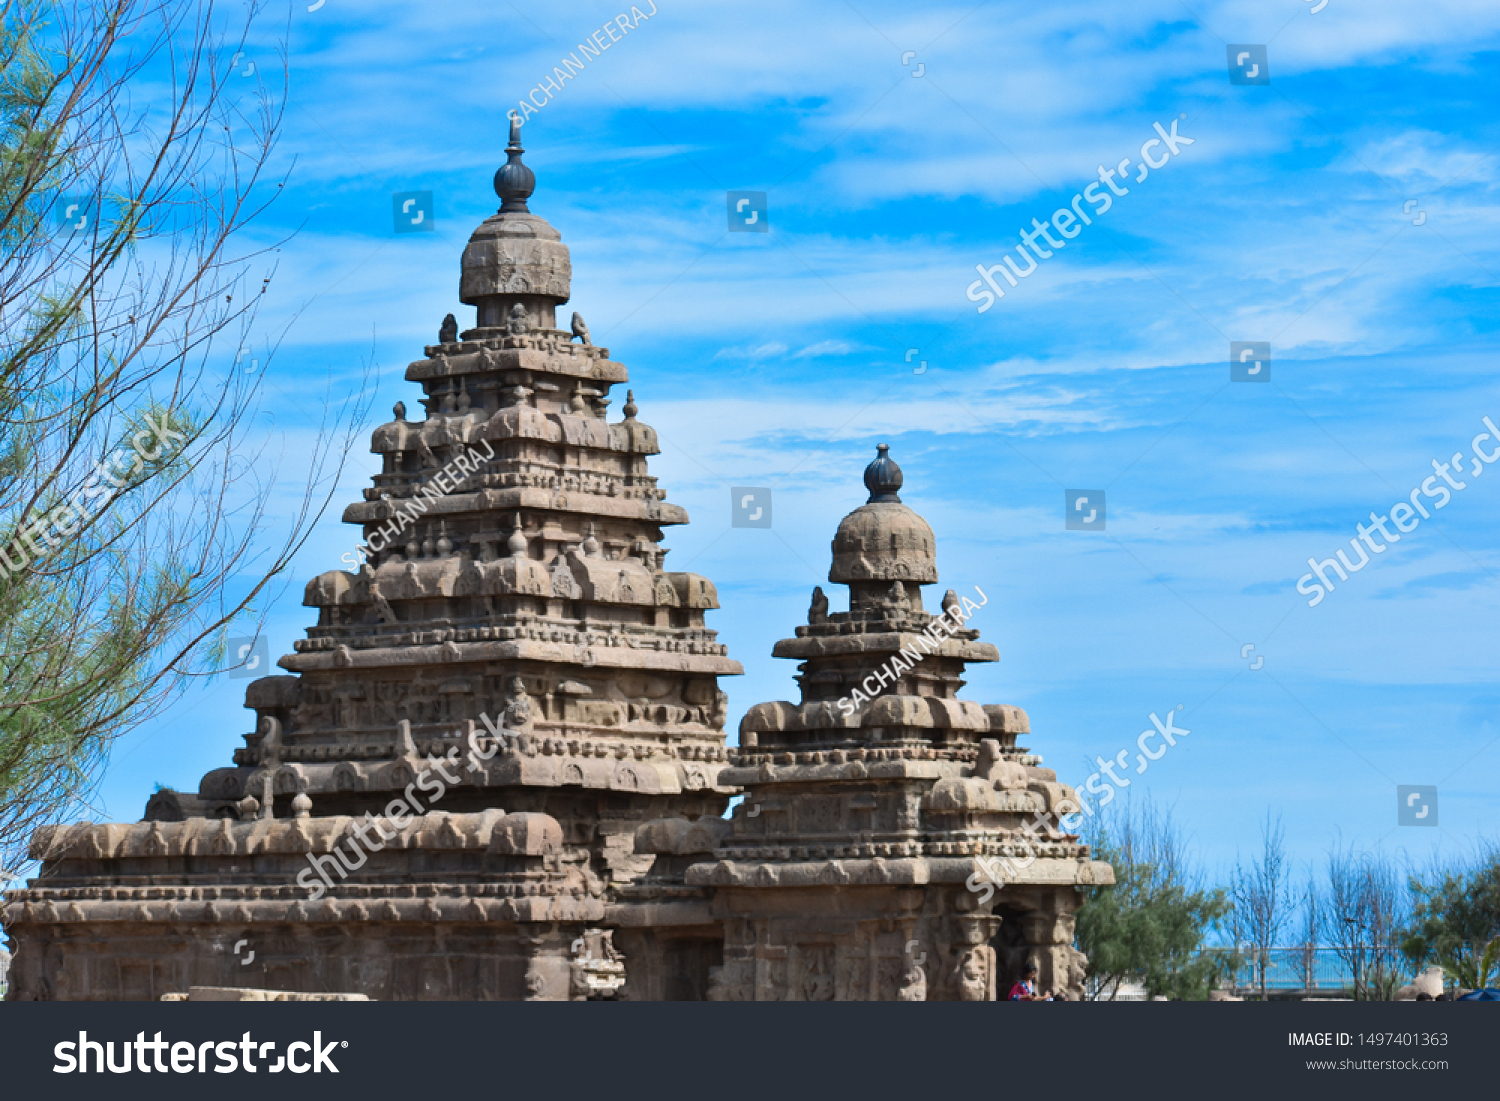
[[1025, 988]]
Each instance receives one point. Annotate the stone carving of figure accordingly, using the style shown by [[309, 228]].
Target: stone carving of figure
[[913, 984], [950, 606], [1078, 969], [400, 410], [448, 332], [382, 606], [580, 330], [896, 598], [972, 979], [720, 713], [270, 740], [424, 449], [818, 613], [909, 813], [516, 323], [517, 706], [817, 984]]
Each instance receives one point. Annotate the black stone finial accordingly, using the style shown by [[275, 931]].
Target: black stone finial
[[514, 182], [883, 477]]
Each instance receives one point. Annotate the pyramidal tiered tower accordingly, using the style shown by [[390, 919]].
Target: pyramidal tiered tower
[[380, 833], [894, 842]]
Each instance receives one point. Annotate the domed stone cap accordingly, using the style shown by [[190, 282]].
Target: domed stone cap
[[513, 252], [883, 540]]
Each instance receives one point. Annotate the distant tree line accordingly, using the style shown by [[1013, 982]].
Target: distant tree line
[[1165, 926]]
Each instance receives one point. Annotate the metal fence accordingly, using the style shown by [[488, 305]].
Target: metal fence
[[1296, 969], [1316, 971]]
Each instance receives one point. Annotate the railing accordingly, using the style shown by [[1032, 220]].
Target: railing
[[1295, 969], [1286, 969]]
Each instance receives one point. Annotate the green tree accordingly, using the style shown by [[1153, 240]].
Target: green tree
[[1456, 916], [1152, 924], [130, 505]]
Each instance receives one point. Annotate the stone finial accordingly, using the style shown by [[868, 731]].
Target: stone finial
[[950, 605], [514, 182], [590, 545], [883, 477], [448, 332], [301, 805], [631, 409], [517, 542], [580, 330], [399, 409]]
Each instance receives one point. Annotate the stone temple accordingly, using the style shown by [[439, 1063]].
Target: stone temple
[[497, 768]]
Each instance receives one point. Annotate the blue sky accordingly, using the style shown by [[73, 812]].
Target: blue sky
[[780, 359]]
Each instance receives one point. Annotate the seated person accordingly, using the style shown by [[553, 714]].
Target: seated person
[[1025, 988]]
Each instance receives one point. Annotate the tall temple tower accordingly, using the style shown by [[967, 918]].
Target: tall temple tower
[[442, 800]]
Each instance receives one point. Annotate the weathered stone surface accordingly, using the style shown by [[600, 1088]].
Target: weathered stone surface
[[873, 814], [497, 768], [512, 639]]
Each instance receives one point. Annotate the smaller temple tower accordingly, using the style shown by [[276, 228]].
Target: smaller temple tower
[[864, 863]]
